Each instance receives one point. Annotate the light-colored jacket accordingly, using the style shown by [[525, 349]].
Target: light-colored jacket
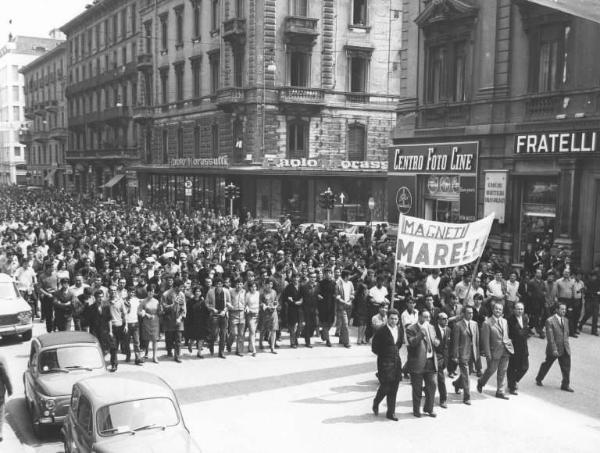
[[494, 338]]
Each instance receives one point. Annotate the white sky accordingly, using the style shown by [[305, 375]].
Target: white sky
[[36, 17]]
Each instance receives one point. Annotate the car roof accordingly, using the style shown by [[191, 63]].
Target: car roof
[[108, 389], [65, 338], [5, 278]]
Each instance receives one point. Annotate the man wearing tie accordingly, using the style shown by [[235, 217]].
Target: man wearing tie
[[442, 332], [496, 347], [465, 350], [518, 332], [386, 344], [557, 337], [422, 363]]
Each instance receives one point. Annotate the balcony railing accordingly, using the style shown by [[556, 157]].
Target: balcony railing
[[360, 98], [108, 152], [29, 113], [542, 105], [25, 136], [116, 114], [52, 106], [300, 95], [144, 61], [40, 136], [142, 113], [228, 96], [58, 133], [300, 28]]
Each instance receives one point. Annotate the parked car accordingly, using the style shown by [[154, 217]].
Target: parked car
[[270, 225], [338, 225], [15, 313], [125, 412], [56, 362], [356, 230], [318, 227]]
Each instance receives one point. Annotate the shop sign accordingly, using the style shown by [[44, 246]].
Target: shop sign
[[557, 142], [404, 200], [494, 194], [200, 162], [326, 164], [460, 157], [133, 183]]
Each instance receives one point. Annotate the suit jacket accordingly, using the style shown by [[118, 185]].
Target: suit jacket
[[519, 335], [443, 349], [465, 342], [494, 338], [5, 384], [173, 312], [339, 294], [417, 347], [210, 298], [557, 336], [389, 365]]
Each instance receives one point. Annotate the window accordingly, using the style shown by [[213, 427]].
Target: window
[[97, 29], [359, 12], [214, 16], [148, 89], [84, 415], [115, 28], [446, 72], [164, 85], [435, 74], [238, 144], [196, 77], [17, 151], [548, 65], [358, 74], [123, 23], [179, 25], [197, 141], [124, 55], [196, 20], [179, 81], [165, 146], [238, 68], [106, 32], [299, 8], [148, 35], [357, 142], [180, 142], [214, 140], [148, 146], [164, 32], [214, 71], [297, 132], [133, 19], [299, 69], [239, 8]]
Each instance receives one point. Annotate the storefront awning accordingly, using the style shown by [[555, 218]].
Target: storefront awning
[[50, 176], [112, 181], [587, 9]]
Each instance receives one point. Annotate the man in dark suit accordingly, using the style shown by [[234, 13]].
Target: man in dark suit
[[443, 334], [518, 332], [557, 337], [465, 349], [386, 344], [5, 387], [422, 362]]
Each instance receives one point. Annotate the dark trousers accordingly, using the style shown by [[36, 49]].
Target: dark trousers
[[115, 341], [48, 312], [132, 336], [173, 341], [564, 361], [427, 377], [219, 331], [309, 325], [517, 367], [535, 310], [575, 315], [462, 382], [62, 323], [387, 390], [441, 379], [591, 311]]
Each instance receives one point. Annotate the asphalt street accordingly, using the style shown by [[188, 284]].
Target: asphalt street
[[320, 399]]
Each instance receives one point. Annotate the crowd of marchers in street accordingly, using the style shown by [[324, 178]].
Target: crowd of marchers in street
[[211, 284]]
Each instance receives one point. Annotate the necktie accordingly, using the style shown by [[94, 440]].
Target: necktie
[[469, 329]]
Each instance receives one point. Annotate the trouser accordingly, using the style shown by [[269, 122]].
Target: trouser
[[427, 377], [591, 311], [251, 322], [115, 341], [570, 303], [77, 324], [535, 310], [498, 366], [574, 320], [546, 313], [342, 317], [62, 323], [237, 325], [387, 390], [564, 361], [517, 367], [441, 380], [219, 330], [132, 336], [325, 328], [462, 382], [309, 325], [173, 341], [2, 414], [48, 312]]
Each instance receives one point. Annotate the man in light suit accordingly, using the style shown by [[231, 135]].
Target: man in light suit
[[465, 350], [557, 337], [497, 348], [422, 362], [442, 351], [386, 344]]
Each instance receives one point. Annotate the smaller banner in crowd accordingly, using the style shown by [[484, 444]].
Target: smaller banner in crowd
[[428, 244]]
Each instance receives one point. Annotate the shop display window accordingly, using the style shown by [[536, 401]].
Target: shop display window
[[538, 213]]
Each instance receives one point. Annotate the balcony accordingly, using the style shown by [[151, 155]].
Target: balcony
[[142, 114], [58, 133], [144, 61], [227, 98], [40, 136], [106, 152], [298, 99], [300, 30], [116, 115], [25, 136], [39, 109], [29, 113], [234, 31], [52, 106], [358, 98]]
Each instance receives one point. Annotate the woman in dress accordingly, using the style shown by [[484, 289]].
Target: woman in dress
[[360, 312], [149, 313], [198, 324], [269, 304], [252, 308]]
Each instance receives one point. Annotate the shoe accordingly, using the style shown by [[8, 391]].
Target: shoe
[[113, 368], [501, 396], [239, 354], [177, 359], [538, 383], [456, 388], [467, 402], [127, 359], [513, 392], [479, 387], [294, 346], [567, 389], [273, 351], [392, 417], [139, 362], [276, 346], [328, 344], [347, 346], [228, 348], [199, 356], [169, 354], [190, 348], [595, 334], [254, 354], [417, 414], [221, 356], [443, 405], [375, 409], [309, 345], [431, 414], [155, 360]]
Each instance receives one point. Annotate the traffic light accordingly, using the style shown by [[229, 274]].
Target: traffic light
[[228, 191], [322, 200], [236, 192], [326, 199], [330, 199]]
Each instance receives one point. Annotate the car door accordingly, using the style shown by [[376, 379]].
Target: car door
[[83, 431], [31, 374]]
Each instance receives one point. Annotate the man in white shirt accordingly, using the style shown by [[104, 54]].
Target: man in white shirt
[[432, 284], [409, 316], [512, 293], [26, 281], [497, 289]]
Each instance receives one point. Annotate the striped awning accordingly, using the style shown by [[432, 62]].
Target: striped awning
[[587, 9]]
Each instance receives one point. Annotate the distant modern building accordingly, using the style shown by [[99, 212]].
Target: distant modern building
[[45, 128], [16, 53]]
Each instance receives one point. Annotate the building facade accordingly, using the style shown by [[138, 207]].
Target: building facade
[[282, 98], [16, 53], [514, 84], [101, 92], [44, 132]]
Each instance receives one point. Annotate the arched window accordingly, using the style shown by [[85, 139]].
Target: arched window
[[357, 142]]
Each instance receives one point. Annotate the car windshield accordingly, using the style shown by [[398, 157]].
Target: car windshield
[[137, 415], [8, 290], [70, 358]]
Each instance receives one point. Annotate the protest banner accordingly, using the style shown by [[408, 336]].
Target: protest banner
[[428, 244]]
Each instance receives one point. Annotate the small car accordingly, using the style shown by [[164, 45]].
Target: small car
[[318, 227], [129, 411], [356, 230], [15, 313], [270, 225], [56, 361], [338, 225]]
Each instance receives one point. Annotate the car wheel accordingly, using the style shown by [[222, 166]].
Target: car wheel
[[27, 335]]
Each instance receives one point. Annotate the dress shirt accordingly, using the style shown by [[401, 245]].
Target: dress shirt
[[378, 294], [408, 319], [433, 285], [578, 287], [496, 289], [520, 321], [512, 291], [394, 333]]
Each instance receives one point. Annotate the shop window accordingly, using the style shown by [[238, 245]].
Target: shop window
[[540, 197], [165, 146], [357, 142], [164, 85], [299, 8], [179, 26], [297, 133], [214, 71], [238, 68], [214, 140], [179, 82], [359, 12], [446, 72], [548, 63], [164, 32], [299, 69]]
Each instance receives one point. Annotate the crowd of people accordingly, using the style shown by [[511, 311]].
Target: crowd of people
[[134, 276]]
